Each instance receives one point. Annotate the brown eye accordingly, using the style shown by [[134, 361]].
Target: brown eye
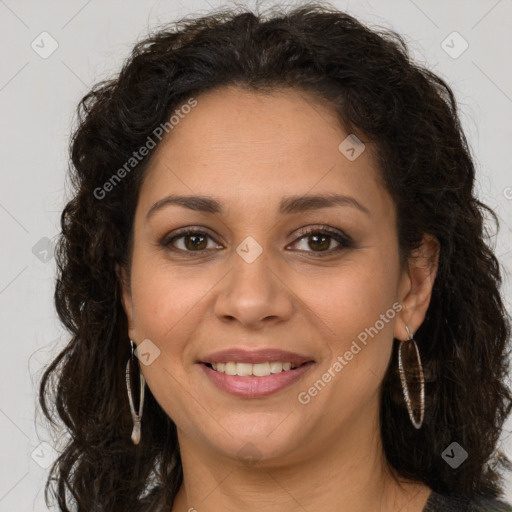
[[315, 241], [193, 242], [319, 241], [190, 241]]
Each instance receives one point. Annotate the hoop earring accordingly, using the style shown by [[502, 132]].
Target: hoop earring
[[408, 343], [136, 415]]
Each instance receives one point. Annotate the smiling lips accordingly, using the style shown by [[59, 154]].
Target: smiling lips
[[253, 374]]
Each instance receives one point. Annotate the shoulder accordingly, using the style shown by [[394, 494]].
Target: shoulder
[[458, 503]]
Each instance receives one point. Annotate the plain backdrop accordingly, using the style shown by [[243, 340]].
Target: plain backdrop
[[52, 53]]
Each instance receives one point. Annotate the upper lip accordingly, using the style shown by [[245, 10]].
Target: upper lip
[[255, 356]]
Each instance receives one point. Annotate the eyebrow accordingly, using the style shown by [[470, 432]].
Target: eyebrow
[[287, 206]]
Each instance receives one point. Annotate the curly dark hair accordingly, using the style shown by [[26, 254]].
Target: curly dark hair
[[369, 79]]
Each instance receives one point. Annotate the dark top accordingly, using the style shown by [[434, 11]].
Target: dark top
[[456, 503]]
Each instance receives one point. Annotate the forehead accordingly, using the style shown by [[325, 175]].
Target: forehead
[[250, 146]]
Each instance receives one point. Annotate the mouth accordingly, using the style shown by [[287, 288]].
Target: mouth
[[254, 380], [263, 369], [254, 373]]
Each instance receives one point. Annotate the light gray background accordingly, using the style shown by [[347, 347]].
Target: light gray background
[[38, 98]]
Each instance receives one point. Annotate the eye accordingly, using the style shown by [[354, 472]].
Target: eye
[[190, 240], [314, 240], [319, 239]]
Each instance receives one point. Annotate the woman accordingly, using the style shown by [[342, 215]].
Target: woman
[[275, 277]]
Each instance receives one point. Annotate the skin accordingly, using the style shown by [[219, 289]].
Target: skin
[[249, 150]]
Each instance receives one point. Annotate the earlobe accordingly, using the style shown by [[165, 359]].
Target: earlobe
[[416, 286]]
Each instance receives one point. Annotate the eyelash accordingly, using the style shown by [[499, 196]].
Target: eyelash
[[344, 241]]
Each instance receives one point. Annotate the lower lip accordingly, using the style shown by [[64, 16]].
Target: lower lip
[[255, 387]]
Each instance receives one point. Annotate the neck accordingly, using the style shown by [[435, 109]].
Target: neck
[[347, 472]]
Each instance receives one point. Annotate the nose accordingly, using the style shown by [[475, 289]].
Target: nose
[[254, 294]]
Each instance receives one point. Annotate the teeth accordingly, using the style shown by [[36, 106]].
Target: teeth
[[252, 370], [276, 367], [244, 369], [261, 369], [230, 369]]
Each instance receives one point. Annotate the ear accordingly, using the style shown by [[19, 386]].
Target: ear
[[126, 299], [415, 288]]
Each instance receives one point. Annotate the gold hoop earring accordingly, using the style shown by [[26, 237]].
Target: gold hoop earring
[[136, 415], [418, 377]]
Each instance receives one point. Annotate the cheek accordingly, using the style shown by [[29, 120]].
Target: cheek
[[351, 297], [357, 347], [355, 308], [168, 303], [165, 303], [164, 295]]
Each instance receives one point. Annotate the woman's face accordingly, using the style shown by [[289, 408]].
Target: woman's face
[[253, 280]]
